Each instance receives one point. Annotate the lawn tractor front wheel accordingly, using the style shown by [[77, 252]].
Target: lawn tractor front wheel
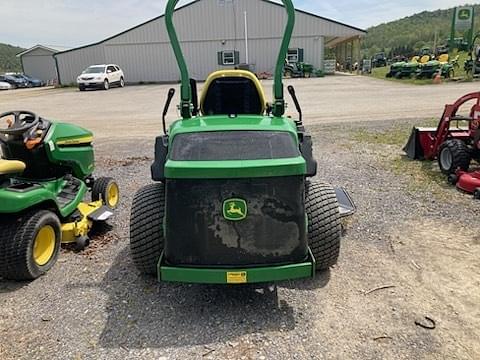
[[29, 245], [324, 227], [454, 154], [106, 189], [146, 228]]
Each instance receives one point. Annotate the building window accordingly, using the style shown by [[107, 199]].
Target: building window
[[228, 58], [295, 55]]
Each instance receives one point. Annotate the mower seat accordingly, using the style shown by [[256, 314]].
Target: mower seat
[[424, 59], [232, 92], [8, 167], [443, 58]]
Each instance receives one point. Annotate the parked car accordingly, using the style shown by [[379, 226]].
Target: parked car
[[31, 82], [15, 82], [5, 85], [101, 77], [379, 60]]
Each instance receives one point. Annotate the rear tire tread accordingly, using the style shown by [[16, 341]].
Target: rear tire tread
[[146, 228], [324, 226]]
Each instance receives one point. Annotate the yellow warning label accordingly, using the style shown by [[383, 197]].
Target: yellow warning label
[[239, 277]]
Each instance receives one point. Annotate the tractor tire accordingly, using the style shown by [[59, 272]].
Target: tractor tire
[[106, 189], [146, 228], [476, 194], [450, 74], [454, 154], [324, 226], [29, 244]]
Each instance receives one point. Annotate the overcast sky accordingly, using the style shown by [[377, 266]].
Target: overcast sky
[[74, 22]]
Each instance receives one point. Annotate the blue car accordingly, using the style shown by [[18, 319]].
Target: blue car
[[14, 81], [31, 82]]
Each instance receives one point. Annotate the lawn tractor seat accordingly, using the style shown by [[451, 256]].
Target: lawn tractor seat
[[424, 59], [232, 92], [443, 58], [11, 167]]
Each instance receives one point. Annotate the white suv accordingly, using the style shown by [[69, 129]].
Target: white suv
[[101, 77]]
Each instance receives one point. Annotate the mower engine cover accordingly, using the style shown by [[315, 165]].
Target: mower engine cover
[[235, 193]]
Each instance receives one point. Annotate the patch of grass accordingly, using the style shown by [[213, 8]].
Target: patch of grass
[[424, 176], [397, 136]]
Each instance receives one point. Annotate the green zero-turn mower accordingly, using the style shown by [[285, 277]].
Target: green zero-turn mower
[[45, 170], [232, 203]]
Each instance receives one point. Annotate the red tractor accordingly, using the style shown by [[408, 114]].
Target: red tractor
[[454, 143]]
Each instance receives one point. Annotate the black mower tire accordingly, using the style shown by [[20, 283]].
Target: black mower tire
[[100, 191], [324, 224], [460, 156], [17, 239], [146, 228]]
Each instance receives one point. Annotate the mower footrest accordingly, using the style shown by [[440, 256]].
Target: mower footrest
[[101, 214], [346, 205]]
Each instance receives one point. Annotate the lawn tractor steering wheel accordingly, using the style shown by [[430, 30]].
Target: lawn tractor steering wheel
[[24, 120]]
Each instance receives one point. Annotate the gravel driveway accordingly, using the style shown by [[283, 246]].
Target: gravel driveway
[[425, 251]]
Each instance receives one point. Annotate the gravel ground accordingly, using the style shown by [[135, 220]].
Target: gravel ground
[[95, 305]]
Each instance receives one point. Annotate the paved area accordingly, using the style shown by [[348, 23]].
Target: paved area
[[135, 111], [406, 255]]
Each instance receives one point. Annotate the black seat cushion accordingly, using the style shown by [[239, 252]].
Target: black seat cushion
[[232, 96]]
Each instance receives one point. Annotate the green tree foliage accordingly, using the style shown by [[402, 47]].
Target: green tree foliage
[[8, 60], [412, 33]]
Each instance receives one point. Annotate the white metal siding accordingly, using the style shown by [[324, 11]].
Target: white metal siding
[[205, 28], [40, 64]]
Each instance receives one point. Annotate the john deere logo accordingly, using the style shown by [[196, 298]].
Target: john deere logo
[[464, 14], [235, 209]]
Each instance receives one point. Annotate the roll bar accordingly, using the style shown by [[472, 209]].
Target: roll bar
[[186, 90]]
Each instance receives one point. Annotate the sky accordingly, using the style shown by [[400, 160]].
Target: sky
[[74, 22]]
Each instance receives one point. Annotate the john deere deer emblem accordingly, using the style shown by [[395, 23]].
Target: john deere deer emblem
[[235, 209], [464, 14]]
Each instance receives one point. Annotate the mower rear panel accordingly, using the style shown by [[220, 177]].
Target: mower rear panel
[[198, 234], [215, 160]]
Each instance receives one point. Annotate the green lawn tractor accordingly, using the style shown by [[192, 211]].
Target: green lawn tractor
[[233, 202], [395, 69], [472, 64], [441, 66], [45, 170], [298, 70]]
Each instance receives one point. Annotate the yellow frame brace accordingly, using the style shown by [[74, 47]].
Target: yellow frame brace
[[233, 73], [70, 231]]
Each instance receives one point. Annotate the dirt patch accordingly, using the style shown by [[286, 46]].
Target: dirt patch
[[437, 266]]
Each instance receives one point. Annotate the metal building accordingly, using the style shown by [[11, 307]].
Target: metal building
[[39, 63], [214, 34]]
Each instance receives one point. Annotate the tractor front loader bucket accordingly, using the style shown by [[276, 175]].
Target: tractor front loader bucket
[[419, 143]]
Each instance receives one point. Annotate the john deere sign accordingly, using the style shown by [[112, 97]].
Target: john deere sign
[[464, 18]]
